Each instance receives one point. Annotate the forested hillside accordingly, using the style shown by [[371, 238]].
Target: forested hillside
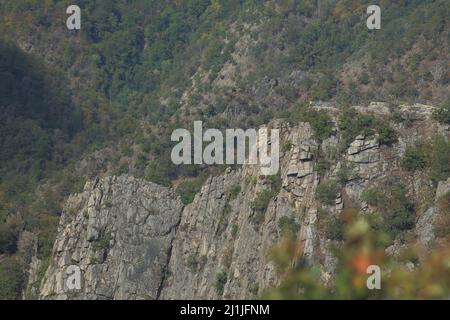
[[104, 100]]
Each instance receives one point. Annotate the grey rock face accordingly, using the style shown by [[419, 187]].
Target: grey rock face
[[425, 227], [443, 188], [119, 233], [364, 151], [135, 240], [216, 235]]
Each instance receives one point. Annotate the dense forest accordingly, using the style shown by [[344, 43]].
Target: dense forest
[[113, 91]]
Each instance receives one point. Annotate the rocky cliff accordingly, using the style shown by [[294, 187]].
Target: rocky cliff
[[119, 231], [134, 239]]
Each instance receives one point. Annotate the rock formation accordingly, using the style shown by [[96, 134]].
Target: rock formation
[[135, 240]]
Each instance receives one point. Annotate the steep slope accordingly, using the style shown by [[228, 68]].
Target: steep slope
[[221, 247], [104, 100], [119, 231]]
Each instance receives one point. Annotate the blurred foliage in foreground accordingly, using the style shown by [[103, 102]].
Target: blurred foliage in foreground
[[362, 247]]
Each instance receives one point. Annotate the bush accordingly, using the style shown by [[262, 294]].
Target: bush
[[234, 192], [262, 200], [9, 234], [386, 135], [344, 174], [234, 230], [324, 89], [415, 158], [335, 229], [326, 192], [102, 243], [396, 211], [194, 262], [221, 280], [12, 277], [189, 188], [440, 159], [254, 289], [352, 123], [227, 208], [399, 214], [286, 146], [320, 122], [434, 155], [364, 78], [374, 197], [288, 226], [442, 114], [158, 172], [46, 238], [41, 271], [260, 204]]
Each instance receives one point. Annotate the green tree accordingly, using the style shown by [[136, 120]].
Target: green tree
[[12, 277], [415, 157], [326, 192], [442, 114]]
